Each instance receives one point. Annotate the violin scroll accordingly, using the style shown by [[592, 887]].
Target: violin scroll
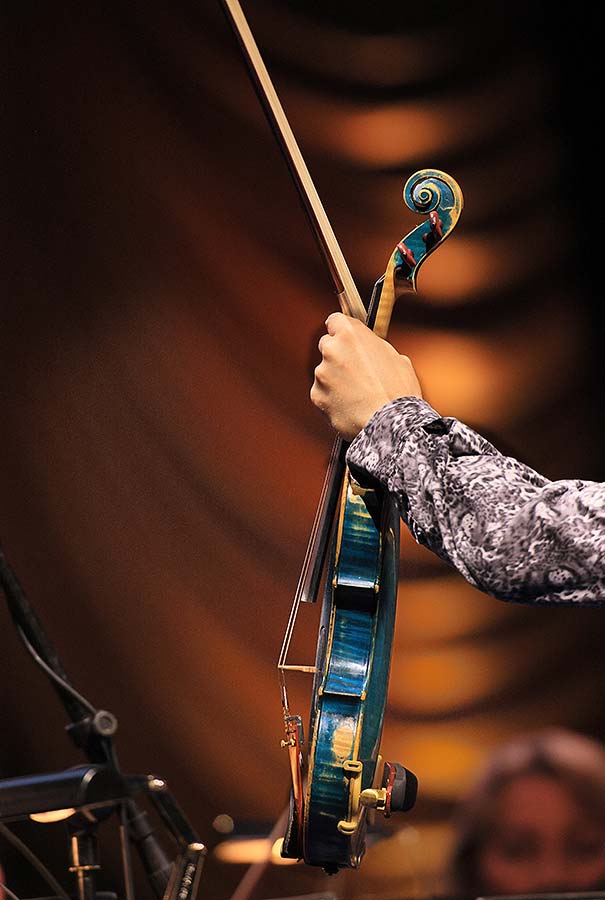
[[437, 196]]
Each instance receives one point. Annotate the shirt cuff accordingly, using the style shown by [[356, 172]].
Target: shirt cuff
[[385, 434]]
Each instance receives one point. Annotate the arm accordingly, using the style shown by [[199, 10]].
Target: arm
[[508, 530], [511, 532]]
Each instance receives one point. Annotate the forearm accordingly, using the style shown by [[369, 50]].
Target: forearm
[[508, 530]]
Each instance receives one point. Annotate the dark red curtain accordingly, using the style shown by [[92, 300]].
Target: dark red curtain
[[161, 461]]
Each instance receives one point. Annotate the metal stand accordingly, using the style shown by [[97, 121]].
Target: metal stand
[[103, 788], [84, 862]]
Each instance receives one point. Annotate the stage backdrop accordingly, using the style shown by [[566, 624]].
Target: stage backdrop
[[160, 458]]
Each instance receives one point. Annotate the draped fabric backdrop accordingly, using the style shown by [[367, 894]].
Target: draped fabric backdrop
[[161, 461]]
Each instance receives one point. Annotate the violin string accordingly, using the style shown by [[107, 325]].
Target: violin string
[[310, 555], [316, 550]]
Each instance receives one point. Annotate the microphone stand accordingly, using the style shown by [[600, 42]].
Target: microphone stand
[[92, 731]]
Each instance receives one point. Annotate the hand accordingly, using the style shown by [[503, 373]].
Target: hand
[[359, 373]]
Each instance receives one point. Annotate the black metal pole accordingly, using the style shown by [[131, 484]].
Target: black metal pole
[[91, 730]]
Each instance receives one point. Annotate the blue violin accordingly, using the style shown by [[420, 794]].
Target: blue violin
[[343, 776], [339, 779]]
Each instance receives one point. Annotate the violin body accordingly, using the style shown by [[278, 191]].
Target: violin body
[[353, 662], [351, 675]]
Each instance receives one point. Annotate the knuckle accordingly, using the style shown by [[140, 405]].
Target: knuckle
[[318, 375], [334, 322]]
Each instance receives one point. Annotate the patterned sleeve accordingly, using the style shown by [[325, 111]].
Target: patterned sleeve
[[508, 530]]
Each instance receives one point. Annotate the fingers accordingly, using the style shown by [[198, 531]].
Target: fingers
[[321, 344], [317, 392], [335, 322]]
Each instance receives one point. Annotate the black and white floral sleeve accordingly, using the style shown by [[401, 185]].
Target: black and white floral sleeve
[[508, 530]]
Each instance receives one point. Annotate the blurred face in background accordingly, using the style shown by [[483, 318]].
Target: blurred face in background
[[540, 839]]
